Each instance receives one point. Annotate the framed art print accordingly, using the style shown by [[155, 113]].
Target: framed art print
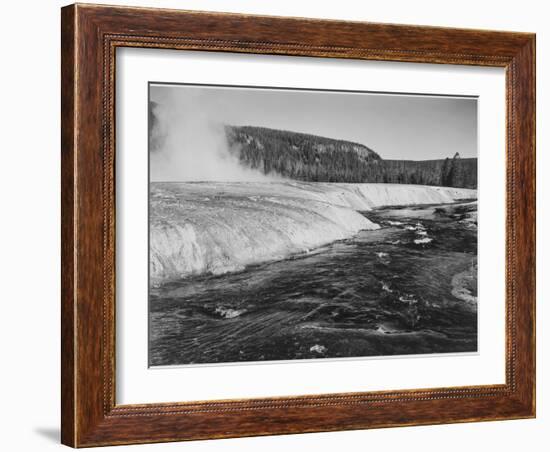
[[279, 225]]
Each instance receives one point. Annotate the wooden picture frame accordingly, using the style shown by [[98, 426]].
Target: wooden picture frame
[[90, 35]]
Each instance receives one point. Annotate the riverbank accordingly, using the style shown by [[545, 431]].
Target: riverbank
[[217, 227]]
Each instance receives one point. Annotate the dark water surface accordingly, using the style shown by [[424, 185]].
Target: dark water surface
[[408, 288]]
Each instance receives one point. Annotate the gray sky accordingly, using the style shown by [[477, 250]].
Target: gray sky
[[411, 127]]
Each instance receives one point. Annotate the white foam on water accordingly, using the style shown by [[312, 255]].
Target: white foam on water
[[422, 241]]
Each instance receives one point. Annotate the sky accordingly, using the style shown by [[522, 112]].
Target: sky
[[412, 127], [409, 127]]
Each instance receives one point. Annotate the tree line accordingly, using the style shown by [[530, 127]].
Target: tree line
[[318, 159]]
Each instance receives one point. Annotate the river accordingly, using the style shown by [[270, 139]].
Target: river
[[409, 287]]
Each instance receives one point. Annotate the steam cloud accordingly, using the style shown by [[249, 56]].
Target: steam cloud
[[188, 141]]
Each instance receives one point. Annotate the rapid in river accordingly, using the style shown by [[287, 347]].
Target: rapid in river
[[330, 272]]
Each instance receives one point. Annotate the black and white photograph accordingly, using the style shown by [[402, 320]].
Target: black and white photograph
[[299, 224]]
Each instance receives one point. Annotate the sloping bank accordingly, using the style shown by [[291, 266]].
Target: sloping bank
[[219, 227]]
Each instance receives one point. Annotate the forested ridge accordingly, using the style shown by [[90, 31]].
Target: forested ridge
[[314, 158]]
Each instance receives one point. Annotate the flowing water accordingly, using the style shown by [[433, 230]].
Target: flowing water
[[409, 287]]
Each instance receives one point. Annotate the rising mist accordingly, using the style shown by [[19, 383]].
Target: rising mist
[[187, 139]]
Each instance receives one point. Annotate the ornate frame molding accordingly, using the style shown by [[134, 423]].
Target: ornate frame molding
[[90, 37]]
